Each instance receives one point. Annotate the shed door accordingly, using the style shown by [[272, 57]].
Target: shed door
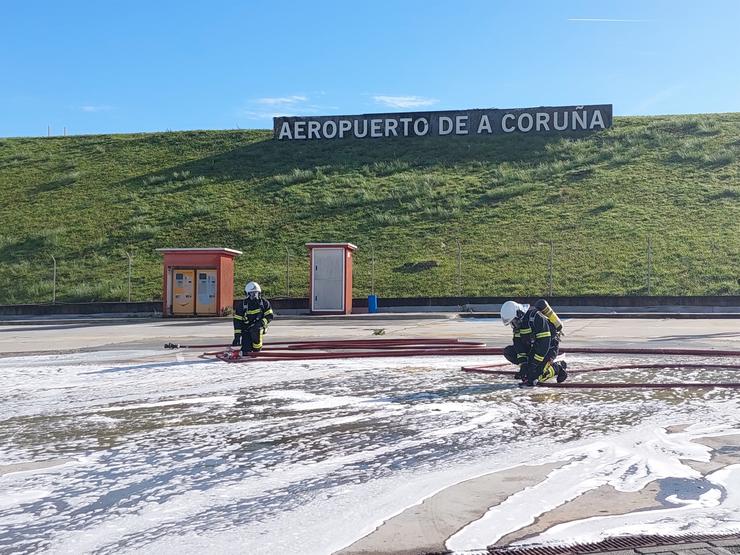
[[328, 279], [182, 292], [205, 302]]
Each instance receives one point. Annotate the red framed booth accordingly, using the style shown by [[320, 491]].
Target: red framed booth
[[197, 281]]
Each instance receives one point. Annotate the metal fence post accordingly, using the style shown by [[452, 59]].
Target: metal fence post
[[459, 268], [549, 268], [372, 269], [54, 286], [287, 271], [130, 260], [649, 262]]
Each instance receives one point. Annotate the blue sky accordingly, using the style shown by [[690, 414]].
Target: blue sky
[[114, 67]]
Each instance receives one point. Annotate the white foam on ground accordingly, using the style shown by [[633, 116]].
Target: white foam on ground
[[500, 418], [16, 498], [219, 399], [708, 514], [627, 463], [276, 457], [311, 401]]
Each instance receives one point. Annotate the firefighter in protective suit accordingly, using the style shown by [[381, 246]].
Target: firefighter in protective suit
[[251, 319], [537, 331]]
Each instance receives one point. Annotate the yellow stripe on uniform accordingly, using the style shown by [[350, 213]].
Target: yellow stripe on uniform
[[539, 358], [525, 331], [237, 317], [255, 311], [258, 345], [268, 312], [548, 372], [543, 334]]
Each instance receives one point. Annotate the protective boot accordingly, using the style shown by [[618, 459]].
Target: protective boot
[[561, 374], [548, 372]]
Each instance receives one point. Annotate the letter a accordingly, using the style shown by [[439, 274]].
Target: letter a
[[596, 120], [285, 130], [484, 124]]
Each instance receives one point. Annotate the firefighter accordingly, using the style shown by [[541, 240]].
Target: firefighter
[[251, 319], [537, 332]]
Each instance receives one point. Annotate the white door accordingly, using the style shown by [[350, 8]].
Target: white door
[[328, 280], [205, 302]]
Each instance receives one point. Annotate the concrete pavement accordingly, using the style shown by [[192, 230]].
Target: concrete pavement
[[74, 335]]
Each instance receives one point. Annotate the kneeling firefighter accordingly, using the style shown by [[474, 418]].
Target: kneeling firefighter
[[251, 319], [537, 331]]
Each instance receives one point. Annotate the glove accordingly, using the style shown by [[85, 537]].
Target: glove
[[237, 341], [522, 373], [529, 371]]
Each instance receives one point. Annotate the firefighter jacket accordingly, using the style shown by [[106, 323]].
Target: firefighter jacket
[[536, 341], [252, 312]]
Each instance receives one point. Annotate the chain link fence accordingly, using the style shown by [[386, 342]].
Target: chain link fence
[[444, 267]]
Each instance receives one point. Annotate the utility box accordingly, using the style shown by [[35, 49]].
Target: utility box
[[330, 285], [197, 281]]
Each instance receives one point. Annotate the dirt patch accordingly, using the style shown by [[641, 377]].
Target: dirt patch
[[28, 466]]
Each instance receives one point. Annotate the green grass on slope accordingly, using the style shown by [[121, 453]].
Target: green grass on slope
[[413, 205]]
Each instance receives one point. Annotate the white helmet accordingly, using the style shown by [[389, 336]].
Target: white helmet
[[252, 287], [511, 310]]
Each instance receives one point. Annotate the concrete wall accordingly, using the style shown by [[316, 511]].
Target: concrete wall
[[703, 304], [583, 304], [143, 308]]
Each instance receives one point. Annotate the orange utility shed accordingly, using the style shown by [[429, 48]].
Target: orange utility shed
[[197, 281], [330, 282]]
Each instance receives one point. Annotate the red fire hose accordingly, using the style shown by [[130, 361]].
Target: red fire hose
[[344, 343], [374, 348], [409, 351]]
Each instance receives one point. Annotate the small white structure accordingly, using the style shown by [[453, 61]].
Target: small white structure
[[330, 285]]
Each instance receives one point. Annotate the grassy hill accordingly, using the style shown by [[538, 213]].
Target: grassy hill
[[88, 200]]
